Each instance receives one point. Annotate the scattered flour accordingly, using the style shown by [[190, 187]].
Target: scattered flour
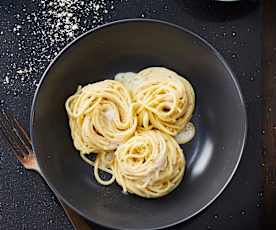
[[40, 34]]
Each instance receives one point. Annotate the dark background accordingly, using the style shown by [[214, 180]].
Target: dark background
[[31, 34]]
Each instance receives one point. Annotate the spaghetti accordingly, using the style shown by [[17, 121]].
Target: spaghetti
[[165, 100], [133, 126], [150, 164], [101, 117]]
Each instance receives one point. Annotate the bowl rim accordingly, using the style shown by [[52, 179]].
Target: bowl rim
[[204, 42]]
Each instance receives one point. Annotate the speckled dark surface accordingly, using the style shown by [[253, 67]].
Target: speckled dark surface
[[234, 29]]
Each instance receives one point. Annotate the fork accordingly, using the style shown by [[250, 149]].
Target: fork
[[21, 146]]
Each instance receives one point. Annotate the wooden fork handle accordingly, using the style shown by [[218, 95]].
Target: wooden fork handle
[[75, 219]]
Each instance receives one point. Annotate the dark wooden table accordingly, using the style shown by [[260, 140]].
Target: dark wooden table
[[269, 111], [32, 32]]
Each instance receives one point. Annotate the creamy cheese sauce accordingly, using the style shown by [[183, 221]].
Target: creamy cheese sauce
[[186, 134]]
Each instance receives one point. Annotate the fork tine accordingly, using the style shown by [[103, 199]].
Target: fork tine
[[24, 134], [22, 141], [15, 150], [15, 135], [21, 134], [6, 131], [12, 136]]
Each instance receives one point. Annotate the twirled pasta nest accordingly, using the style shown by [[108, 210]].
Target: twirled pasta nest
[[164, 99], [101, 116], [150, 164], [131, 124]]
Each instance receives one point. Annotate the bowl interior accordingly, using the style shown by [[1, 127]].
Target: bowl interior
[[212, 156]]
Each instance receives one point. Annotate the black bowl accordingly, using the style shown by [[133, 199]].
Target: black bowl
[[131, 45]]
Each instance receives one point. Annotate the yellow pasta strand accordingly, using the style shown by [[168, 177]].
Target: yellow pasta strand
[[150, 164], [128, 124], [101, 117], [165, 100]]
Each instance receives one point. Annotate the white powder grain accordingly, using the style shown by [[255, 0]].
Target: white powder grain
[[42, 33]]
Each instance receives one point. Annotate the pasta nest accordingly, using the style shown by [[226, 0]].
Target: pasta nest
[[164, 100], [150, 164], [101, 116]]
